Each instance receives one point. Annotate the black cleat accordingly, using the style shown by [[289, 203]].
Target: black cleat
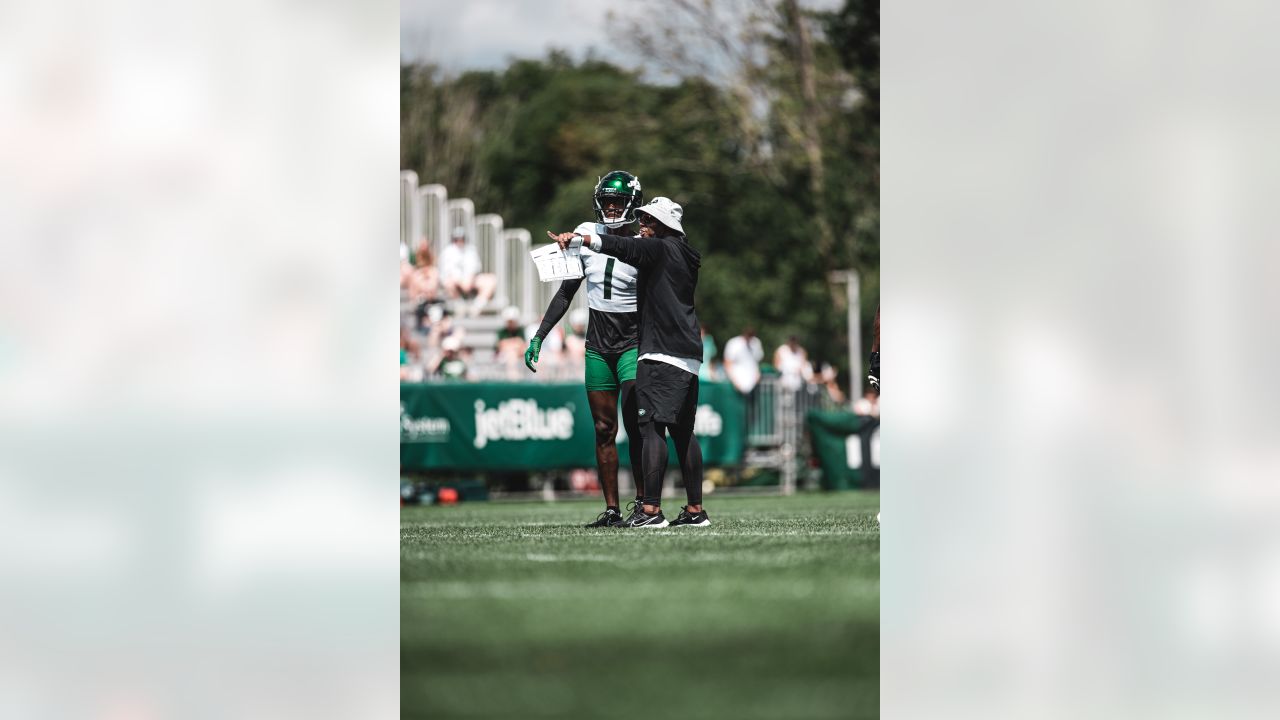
[[639, 519], [688, 519], [608, 518]]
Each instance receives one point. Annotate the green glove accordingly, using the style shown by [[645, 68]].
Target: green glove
[[531, 355]]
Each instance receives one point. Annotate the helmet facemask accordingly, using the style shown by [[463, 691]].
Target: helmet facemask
[[629, 206]]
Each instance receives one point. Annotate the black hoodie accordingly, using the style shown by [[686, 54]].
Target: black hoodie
[[664, 291]]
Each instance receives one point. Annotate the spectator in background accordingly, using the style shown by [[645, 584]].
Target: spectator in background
[[792, 362], [742, 356], [828, 376], [423, 279], [410, 356], [406, 267], [427, 315], [442, 326], [510, 347], [868, 404], [460, 273], [451, 365]]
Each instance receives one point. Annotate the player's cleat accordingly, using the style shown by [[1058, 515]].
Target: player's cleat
[[608, 518], [688, 519], [633, 507], [639, 519]]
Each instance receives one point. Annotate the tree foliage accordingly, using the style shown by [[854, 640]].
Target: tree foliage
[[726, 129]]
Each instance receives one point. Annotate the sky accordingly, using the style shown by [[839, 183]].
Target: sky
[[485, 34]]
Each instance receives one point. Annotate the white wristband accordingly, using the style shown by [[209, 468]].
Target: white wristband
[[595, 243]]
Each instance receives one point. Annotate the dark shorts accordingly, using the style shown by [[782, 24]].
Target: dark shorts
[[665, 393]]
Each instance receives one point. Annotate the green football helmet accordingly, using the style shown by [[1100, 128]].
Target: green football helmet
[[624, 186]]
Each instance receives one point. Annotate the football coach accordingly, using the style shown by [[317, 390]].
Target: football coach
[[670, 353]]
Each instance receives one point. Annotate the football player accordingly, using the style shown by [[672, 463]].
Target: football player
[[612, 336]]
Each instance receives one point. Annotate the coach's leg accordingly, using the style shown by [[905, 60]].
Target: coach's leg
[[635, 441], [688, 451], [604, 411], [655, 463]]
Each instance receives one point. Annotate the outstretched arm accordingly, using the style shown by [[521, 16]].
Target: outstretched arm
[[640, 252]]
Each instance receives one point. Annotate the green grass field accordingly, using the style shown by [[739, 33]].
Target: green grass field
[[513, 610]]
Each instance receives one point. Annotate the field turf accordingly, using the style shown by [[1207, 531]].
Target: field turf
[[513, 610]]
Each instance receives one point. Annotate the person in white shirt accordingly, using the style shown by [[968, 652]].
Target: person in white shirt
[[460, 272], [792, 362], [742, 356]]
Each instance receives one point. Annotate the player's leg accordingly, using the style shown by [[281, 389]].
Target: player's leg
[[604, 413], [626, 370], [602, 397]]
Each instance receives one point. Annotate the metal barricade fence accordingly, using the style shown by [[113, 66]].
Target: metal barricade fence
[[492, 251], [410, 210], [776, 426], [519, 275], [434, 201]]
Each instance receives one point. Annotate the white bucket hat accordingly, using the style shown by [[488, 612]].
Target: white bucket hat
[[666, 211]]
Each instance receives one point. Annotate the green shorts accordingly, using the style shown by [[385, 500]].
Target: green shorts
[[606, 371]]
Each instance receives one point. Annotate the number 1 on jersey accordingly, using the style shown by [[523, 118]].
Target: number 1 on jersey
[[608, 279]]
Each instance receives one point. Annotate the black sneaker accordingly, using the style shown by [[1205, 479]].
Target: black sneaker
[[688, 519], [635, 511], [633, 507], [639, 519], [608, 518]]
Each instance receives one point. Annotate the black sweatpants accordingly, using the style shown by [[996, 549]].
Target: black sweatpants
[[668, 400], [627, 394]]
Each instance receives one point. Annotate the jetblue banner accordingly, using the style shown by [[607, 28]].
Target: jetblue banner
[[535, 426]]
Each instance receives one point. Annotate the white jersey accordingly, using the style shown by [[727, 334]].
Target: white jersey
[[611, 283]]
